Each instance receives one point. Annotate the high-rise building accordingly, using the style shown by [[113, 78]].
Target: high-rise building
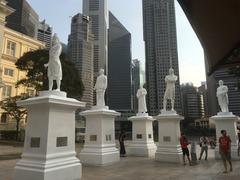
[[24, 19], [161, 51], [135, 82], [119, 93], [119, 66], [98, 12], [193, 103], [233, 91], [204, 92], [44, 33], [80, 49]]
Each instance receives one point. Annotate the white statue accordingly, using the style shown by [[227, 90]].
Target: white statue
[[141, 95], [54, 64], [100, 87], [170, 89], [222, 96]]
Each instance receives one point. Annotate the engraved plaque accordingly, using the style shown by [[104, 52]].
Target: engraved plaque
[[166, 138], [35, 142], [62, 141], [93, 137], [108, 137], [150, 136], [139, 136]]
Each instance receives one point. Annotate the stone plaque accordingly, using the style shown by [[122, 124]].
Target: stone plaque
[[166, 138], [93, 137], [108, 137], [35, 142], [150, 136], [62, 141], [139, 136]]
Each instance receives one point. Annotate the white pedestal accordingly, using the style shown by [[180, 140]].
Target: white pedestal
[[228, 122], [100, 147], [169, 148], [49, 147], [142, 137]]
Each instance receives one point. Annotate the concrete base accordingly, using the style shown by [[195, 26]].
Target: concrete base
[[62, 169], [228, 122], [169, 149], [169, 154], [49, 146], [142, 136], [100, 148]]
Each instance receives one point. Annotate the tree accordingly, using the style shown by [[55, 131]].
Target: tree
[[36, 74], [9, 105]]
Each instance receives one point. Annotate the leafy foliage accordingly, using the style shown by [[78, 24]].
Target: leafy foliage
[[9, 105], [36, 77]]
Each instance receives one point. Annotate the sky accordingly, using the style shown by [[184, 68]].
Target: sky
[[58, 14]]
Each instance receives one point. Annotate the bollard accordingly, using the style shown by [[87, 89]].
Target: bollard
[[193, 154]]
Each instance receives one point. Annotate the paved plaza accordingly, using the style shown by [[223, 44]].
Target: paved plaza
[[131, 168]]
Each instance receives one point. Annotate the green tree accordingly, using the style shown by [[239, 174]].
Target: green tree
[[36, 74], [9, 105]]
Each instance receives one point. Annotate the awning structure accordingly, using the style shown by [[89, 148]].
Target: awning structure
[[217, 25]]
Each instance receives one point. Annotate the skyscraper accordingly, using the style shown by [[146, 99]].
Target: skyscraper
[[161, 51], [24, 19], [80, 49], [135, 82], [44, 33], [98, 12], [119, 66], [233, 91]]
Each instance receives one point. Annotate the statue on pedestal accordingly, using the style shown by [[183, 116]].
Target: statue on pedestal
[[141, 95], [222, 96], [100, 87], [54, 64], [170, 89]]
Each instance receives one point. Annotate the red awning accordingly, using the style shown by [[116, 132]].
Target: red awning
[[217, 25]]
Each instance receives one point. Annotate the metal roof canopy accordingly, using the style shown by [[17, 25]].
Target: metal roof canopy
[[217, 25]]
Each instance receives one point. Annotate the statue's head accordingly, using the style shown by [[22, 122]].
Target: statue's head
[[55, 39], [220, 82], [171, 71], [101, 71]]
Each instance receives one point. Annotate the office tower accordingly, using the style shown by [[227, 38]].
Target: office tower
[[24, 19], [135, 82], [80, 49], [193, 103], [159, 26], [45, 33], [119, 66], [233, 91], [204, 92], [98, 12]]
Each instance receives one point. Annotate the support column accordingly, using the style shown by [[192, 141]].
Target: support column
[[228, 122], [142, 137], [100, 147], [169, 148], [49, 147]]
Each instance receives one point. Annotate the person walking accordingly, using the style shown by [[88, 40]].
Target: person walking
[[184, 144], [122, 146], [225, 150], [204, 142]]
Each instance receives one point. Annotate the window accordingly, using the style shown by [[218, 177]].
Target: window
[[8, 72], [4, 118], [11, 48], [6, 91]]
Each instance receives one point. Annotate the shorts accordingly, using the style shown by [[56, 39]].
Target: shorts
[[226, 156], [185, 151]]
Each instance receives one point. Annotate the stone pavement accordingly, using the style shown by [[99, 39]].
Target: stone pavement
[[134, 168]]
